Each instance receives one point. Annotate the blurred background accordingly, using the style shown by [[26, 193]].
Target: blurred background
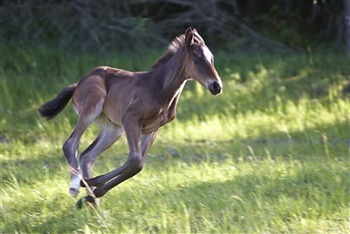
[[267, 25]]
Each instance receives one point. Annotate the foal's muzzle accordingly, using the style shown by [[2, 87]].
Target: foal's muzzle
[[215, 88]]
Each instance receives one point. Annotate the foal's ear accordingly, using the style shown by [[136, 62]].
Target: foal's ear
[[189, 37]]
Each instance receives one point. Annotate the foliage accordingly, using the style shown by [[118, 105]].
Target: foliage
[[123, 25], [269, 155]]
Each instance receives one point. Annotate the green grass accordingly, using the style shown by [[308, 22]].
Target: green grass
[[269, 155]]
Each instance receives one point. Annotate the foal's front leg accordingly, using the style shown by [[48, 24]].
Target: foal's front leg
[[130, 168]]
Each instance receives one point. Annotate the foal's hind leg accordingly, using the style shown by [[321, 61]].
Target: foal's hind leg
[[71, 146], [109, 134]]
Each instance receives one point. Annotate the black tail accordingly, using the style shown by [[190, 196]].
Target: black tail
[[50, 109]]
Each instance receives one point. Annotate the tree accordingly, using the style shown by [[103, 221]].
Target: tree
[[259, 24], [347, 25]]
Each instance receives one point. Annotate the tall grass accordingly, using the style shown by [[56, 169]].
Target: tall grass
[[269, 155]]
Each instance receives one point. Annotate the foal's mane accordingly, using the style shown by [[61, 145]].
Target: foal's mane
[[173, 47]]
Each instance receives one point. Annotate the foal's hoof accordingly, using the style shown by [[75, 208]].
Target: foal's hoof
[[73, 192], [89, 200]]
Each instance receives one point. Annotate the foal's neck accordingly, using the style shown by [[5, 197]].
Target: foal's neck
[[171, 75]]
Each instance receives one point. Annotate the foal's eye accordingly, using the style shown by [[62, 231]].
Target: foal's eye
[[195, 60]]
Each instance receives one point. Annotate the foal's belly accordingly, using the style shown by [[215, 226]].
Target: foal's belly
[[149, 122]]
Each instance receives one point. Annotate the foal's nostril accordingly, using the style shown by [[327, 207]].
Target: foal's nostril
[[215, 88]]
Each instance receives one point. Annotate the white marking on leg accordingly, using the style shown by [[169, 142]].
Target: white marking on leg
[[75, 185]]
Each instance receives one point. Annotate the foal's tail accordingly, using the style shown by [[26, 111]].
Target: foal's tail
[[50, 109]]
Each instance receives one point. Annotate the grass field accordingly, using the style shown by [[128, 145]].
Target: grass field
[[269, 155]]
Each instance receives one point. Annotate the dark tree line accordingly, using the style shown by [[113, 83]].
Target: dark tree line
[[265, 24]]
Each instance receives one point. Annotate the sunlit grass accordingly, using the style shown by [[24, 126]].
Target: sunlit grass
[[269, 155]]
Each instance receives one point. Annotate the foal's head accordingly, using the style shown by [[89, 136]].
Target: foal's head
[[199, 62]]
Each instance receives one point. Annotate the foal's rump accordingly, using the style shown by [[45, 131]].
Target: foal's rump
[[92, 84], [89, 96]]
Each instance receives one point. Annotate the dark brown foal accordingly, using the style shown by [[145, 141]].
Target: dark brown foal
[[138, 103]]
